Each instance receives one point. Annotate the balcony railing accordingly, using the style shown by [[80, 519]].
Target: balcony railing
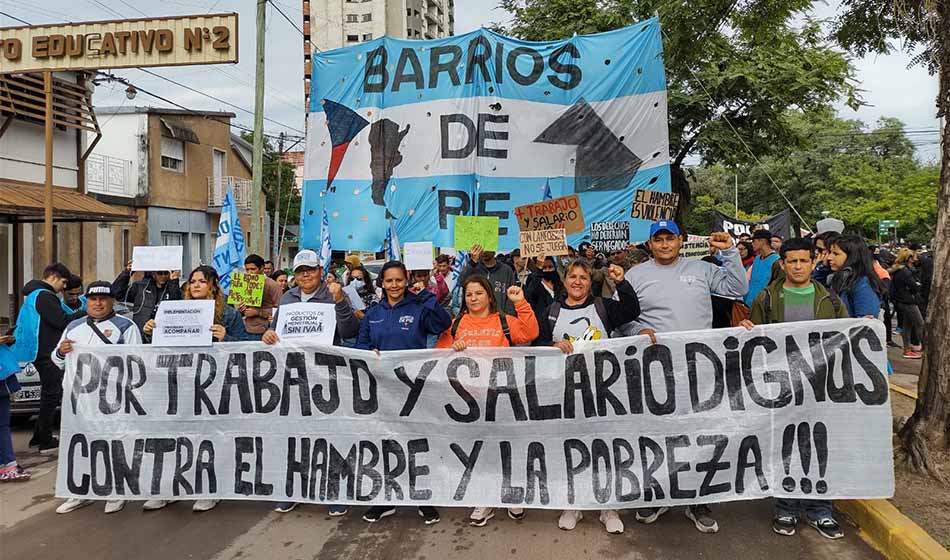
[[218, 188], [109, 175]]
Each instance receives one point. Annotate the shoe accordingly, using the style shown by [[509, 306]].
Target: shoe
[[701, 516], [893, 344], [828, 528], [917, 348], [376, 513], [650, 515], [611, 521], [204, 505], [14, 473], [911, 355], [50, 446], [784, 524], [337, 511], [72, 504], [153, 505], [516, 513], [113, 506], [480, 516], [285, 507], [429, 514], [569, 519]]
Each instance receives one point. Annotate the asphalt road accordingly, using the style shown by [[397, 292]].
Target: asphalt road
[[30, 529]]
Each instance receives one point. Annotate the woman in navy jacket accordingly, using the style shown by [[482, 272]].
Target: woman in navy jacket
[[853, 278], [401, 321]]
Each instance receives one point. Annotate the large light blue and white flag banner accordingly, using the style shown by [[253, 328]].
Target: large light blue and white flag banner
[[478, 124], [229, 248]]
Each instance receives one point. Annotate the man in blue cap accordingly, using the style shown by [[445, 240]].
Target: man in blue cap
[[675, 295]]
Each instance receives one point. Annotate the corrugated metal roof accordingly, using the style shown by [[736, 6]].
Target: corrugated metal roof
[[178, 131], [26, 202]]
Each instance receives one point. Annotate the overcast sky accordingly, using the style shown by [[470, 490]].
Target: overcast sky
[[890, 88]]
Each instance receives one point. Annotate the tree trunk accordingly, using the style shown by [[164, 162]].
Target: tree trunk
[[928, 428], [680, 185]]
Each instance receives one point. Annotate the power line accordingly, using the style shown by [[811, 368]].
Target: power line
[[134, 8], [16, 19], [290, 21]]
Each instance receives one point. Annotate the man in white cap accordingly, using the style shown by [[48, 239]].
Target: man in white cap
[[99, 327], [309, 287]]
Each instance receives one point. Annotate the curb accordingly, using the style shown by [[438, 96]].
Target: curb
[[891, 532], [903, 391]]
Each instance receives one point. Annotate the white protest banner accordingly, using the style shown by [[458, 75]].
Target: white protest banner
[[607, 237], [356, 302], [184, 323], [417, 256], [695, 247], [312, 321], [543, 242], [155, 258], [796, 410]]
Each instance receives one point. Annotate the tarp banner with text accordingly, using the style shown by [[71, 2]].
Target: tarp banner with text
[[479, 125], [779, 224], [791, 410]]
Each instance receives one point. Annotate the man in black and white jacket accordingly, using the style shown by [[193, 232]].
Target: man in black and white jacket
[[100, 326]]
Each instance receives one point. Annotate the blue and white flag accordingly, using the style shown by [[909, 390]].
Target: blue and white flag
[[420, 131], [326, 251], [393, 251], [546, 195], [229, 248]]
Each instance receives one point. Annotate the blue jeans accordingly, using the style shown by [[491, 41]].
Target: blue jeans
[[6, 438], [813, 509]]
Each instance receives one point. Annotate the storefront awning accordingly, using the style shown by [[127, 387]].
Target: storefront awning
[[25, 202], [178, 131]]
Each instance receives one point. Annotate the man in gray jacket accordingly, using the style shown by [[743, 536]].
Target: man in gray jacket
[[676, 295]]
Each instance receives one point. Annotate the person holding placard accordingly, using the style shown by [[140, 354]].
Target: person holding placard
[[309, 288], [544, 286], [481, 324], [401, 321], [361, 282], [578, 315], [257, 318], [500, 275], [100, 327], [145, 290]]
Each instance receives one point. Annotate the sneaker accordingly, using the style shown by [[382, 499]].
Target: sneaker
[[113, 506], [650, 515], [153, 505], [828, 528], [516, 513], [784, 524], [72, 504], [911, 355], [376, 513], [285, 507], [14, 473], [337, 511], [429, 514], [611, 521], [50, 446], [204, 505], [701, 516], [917, 348], [569, 519], [480, 516]]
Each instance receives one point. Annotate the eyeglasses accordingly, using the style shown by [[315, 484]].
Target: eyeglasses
[[306, 271]]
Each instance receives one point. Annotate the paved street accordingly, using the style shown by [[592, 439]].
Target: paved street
[[32, 530]]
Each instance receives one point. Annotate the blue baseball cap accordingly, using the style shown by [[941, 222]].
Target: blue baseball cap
[[664, 225]]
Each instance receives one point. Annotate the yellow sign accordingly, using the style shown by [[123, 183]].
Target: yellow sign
[[159, 41]]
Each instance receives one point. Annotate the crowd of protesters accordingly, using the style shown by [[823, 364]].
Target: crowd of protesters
[[491, 300]]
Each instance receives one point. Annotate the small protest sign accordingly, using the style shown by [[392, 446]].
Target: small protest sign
[[246, 289], [313, 321], [476, 230], [158, 258], [543, 242], [564, 212], [607, 237], [356, 302], [418, 256], [184, 323], [654, 205], [695, 247]]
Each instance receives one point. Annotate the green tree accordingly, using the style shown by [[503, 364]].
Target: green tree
[[922, 28], [742, 61], [289, 196]]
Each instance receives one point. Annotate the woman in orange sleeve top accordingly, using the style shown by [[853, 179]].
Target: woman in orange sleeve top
[[480, 324]]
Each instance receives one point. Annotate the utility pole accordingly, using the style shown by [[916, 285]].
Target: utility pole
[[258, 243], [737, 196], [275, 255], [48, 191]]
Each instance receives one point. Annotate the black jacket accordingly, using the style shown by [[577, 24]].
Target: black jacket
[[537, 296], [144, 296], [53, 318], [904, 286], [618, 312]]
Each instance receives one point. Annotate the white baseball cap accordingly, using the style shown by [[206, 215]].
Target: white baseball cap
[[830, 224], [306, 258]]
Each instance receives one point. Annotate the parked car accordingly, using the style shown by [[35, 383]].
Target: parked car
[[26, 401]]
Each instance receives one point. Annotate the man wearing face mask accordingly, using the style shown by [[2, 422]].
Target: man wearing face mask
[[543, 286], [500, 275]]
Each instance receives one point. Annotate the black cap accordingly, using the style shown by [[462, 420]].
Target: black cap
[[762, 234], [99, 288]]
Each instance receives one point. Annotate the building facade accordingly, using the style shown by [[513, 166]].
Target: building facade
[[332, 24], [172, 168]]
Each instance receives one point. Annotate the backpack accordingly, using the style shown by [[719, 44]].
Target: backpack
[[767, 304], [599, 306], [504, 326]]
